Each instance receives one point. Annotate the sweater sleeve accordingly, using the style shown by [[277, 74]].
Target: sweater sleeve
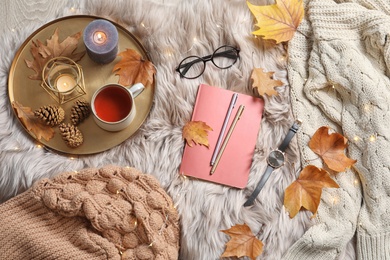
[[346, 68]]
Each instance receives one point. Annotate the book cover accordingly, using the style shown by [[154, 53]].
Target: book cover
[[211, 107]]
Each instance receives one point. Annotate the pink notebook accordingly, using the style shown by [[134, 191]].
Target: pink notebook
[[211, 107]]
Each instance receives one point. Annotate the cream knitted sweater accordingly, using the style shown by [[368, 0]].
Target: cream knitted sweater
[[339, 67]]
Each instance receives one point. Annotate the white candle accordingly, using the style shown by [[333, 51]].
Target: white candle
[[65, 83]]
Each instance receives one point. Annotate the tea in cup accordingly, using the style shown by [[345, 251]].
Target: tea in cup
[[113, 106]]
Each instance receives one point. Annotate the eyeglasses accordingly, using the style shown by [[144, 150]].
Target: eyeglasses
[[193, 66]]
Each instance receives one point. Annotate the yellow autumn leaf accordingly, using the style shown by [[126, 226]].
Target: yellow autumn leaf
[[278, 21], [196, 132], [264, 82]]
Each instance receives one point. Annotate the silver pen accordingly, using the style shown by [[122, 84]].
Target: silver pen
[[223, 129]]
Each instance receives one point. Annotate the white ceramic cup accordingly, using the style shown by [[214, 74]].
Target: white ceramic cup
[[113, 106]]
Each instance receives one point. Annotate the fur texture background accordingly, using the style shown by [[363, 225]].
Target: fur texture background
[[171, 32]]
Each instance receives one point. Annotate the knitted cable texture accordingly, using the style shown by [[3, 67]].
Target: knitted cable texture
[[107, 213], [338, 68]]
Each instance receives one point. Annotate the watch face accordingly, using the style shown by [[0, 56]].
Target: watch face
[[276, 159]]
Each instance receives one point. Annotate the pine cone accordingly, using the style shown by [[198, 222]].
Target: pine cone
[[80, 111], [50, 115], [71, 135]]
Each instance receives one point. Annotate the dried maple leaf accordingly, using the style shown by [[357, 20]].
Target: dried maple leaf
[[196, 131], [32, 123], [330, 147], [278, 21], [264, 82], [242, 242], [133, 68], [43, 53], [306, 190]]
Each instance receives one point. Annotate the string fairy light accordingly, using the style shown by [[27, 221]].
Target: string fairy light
[[335, 199], [161, 229], [373, 138], [168, 52], [367, 107]]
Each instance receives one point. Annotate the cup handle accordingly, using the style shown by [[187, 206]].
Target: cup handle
[[136, 89]]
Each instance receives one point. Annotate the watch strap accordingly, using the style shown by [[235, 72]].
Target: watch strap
[[259, 186], [293, 129]]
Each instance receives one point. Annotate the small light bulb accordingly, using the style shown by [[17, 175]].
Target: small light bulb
[[372, 138], [335, 200], [367, 107]]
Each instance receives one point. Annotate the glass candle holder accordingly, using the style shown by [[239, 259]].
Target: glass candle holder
[[63, 79]]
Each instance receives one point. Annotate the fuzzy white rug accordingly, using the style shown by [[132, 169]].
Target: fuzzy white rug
[[170, 33]]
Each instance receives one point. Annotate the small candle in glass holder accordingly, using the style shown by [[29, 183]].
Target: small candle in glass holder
[[63, 79], [101, 41], [65, 83]]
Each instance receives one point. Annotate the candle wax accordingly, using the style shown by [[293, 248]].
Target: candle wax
[[65, 83]]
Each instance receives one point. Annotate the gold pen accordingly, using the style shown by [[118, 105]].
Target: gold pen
[[229, 133]]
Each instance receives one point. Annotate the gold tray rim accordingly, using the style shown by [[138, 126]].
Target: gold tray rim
[[25, 44]]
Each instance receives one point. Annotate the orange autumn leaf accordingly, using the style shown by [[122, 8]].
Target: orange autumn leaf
[[54, 48], [197, 132], [242, 242], [306, 191], [32, 123], [264, 82], [133, 68], [330, 147], [278, 21]]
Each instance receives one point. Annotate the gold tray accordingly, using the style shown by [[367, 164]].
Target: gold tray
[[30, 94]]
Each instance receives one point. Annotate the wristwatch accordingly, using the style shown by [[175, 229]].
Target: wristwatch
[[276, 159]]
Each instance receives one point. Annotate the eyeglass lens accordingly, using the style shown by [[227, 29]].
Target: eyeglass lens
[[193, 66]]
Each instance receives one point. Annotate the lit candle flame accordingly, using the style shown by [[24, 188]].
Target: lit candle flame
[[99, 37]]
